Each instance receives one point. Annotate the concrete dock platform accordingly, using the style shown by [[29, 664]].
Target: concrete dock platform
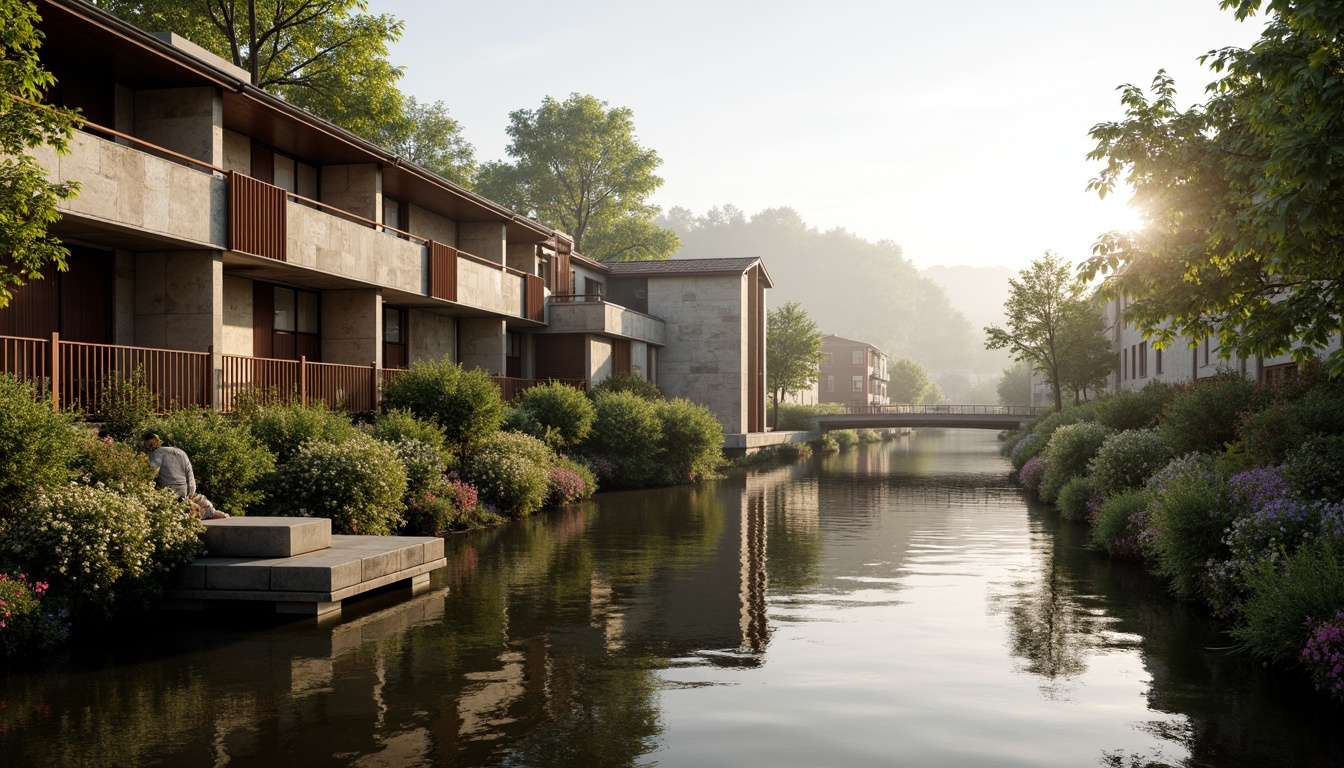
[[297, 565]]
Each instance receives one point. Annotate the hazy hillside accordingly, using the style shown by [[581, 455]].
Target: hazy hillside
[[978, 293], [850, 286]]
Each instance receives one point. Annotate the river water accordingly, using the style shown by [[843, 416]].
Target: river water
[[897, 604]]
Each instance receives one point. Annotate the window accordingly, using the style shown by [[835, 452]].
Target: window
[[593, 287], [1157, 361], [1133, 361], [1206, 350], [394, 337], [830, 383], [295, 310], [856, 357], [857, 383], [1143, 359], [1124, 365], [394, 215]]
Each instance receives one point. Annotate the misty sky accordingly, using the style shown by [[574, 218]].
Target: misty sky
[[956, 129]]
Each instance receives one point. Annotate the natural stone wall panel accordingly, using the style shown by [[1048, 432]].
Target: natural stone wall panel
[[430, 336], [487, 287], [431, 226], [703, 359], [338, 246], [238, 309], [129, 188]]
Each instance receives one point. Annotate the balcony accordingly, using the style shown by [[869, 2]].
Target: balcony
[[589, 313], [170, 200]]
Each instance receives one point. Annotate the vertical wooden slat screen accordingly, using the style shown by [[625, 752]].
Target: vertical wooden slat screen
[[620, 356], [534, 290], [442, 271], [257, 221]]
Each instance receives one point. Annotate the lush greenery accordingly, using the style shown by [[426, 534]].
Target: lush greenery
[[1053, 325], [579, 168], [465, 403], [27, 198], [1240, 195], [1232, 494], [909, 382], [792, 352]]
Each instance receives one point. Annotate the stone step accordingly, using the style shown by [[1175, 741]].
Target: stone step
[[313, 582], [266, 536]]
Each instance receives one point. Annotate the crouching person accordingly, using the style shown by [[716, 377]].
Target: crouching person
[[172, 469]]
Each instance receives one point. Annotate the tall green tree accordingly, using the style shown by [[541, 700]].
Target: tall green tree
[[327, 56], [1088, 365], [792, 352], [27, 198], [909, 382], [428, 136], [1046, 309], [1014, 387], [1242, 196], [578, 167]]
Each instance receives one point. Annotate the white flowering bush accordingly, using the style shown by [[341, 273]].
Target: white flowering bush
[[512, 472], [423, 462], [358, 483], [100, 549]]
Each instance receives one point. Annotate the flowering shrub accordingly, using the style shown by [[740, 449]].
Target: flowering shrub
[[1187, 522], [99, 548], [358, 483], [560, 415], [450, 506], [1271, 521], [1135, 408], [125, 404], [512, 471], [1126, 459], [1203, 416], [284, 427], [627, 432], [579, 481], [1025, 450], [1281, 598], [423, 463], [1324, 655], [231, 465], [466, 404], [1031, 473], [690, 445], [1066, 457], [116, 465], [36, 445], [1119, 524], [397, 424], [25, 625], [1074, 497]]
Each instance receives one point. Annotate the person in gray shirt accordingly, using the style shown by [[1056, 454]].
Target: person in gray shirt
[[172, 469]]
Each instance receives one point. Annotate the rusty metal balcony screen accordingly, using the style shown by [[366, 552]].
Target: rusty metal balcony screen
[[442, 271], [257, 217]]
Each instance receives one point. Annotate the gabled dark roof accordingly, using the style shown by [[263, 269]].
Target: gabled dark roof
[[683, 267]]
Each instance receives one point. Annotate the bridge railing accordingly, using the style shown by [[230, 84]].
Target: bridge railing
[[949, 410]]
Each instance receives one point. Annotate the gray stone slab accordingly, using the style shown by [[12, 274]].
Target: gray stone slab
[[266, 536], [380, 564], [412, 556], [433, 547], [192, 576], [317, 572], [237, 573]]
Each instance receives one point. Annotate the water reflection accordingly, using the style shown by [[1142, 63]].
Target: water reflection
[[897, 604]]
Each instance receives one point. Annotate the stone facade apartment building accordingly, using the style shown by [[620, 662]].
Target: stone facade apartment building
[[223, 237]]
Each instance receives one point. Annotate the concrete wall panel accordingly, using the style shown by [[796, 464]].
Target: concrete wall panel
[[430, 337], [352, 327], [238, 316]]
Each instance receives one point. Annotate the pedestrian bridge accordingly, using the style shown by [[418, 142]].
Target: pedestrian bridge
[[996, 417]]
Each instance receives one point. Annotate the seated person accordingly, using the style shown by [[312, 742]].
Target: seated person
[[172, 469]]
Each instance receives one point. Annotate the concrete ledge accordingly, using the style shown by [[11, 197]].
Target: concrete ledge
[[742, 443], [266, 536], [311, 583]]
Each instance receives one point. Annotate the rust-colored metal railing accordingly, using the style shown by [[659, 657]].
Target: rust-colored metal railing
[[27, 360], [177, 379], [511, 388], [351, 387]]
